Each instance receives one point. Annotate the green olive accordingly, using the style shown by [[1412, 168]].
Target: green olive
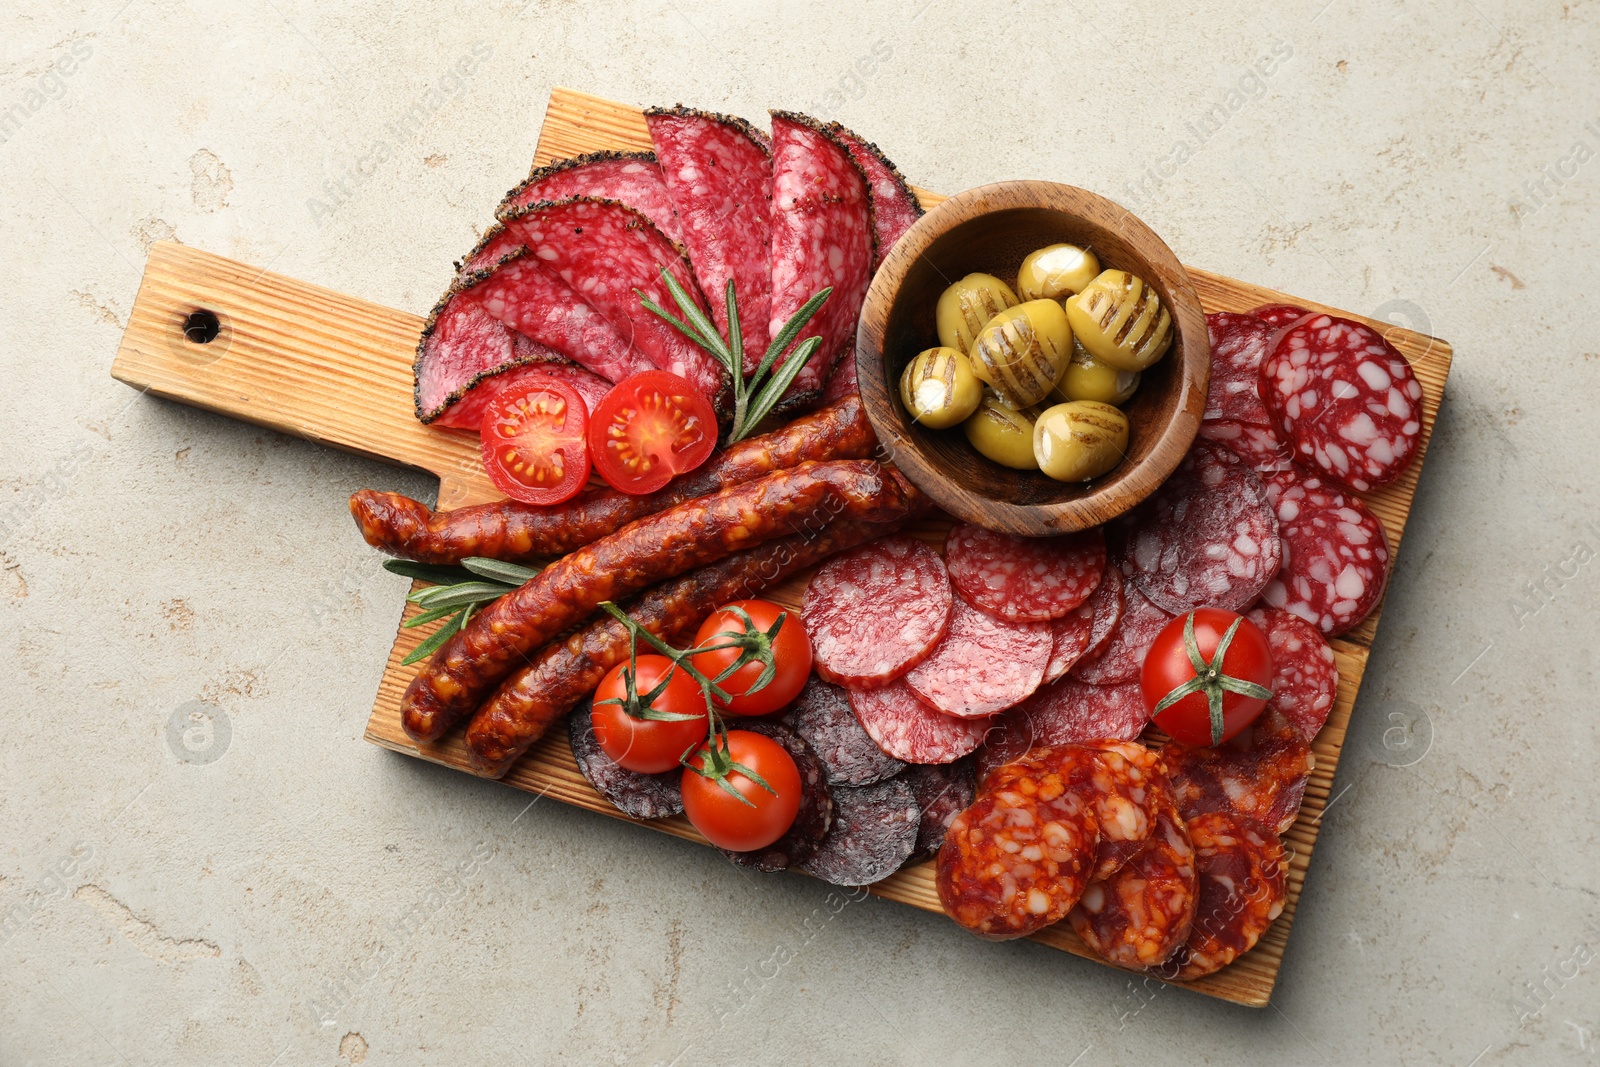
[[1121, 321], [939, 388], [1089, 379], [1023, 351], [1056, 272], [1002, 433], [1077, 441], [966, 307]]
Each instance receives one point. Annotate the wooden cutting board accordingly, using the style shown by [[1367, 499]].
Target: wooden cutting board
[[313, 363]]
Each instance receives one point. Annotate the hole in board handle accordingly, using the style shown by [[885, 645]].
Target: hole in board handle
[[201, 327], [200, 334]]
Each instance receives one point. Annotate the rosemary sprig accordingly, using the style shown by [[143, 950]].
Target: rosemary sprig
[[456, 593], [755, 397]]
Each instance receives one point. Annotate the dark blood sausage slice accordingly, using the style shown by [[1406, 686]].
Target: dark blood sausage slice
[[1140, 915], [1238, 344], [1279, 315], [1242, 877], [984, 665], [1123, 656], [1345, 400], [606, 251], [821, 236], [1260, 774], [1019, 858], [1070, 637], [640, 796], [467, 413], [1335, 553], [874, 832], [823, 716], [874, 613], [810, 827], [895, 208], [1107, 605], [501, 637], [718, 171], [1258, 446], [519, 533], [909, 729], [563, 671], [1024, 579], [942, 793], [1304, 676], [631, 178], [1208, 536]]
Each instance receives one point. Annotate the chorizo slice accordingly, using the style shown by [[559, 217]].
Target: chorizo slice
[[1140, 915], [1242, 877]]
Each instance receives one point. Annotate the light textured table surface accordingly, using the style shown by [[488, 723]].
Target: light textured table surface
[[201, 862]]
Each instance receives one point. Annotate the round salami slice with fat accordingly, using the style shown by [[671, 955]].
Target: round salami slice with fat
[[1260, 774], [1242, 878], [1071, 712], [1238, 345], [1305, 679], [823, 716], [907, 728], [984, 665], [641, 796], [1335, 553], [1070, 637], [1258, 446], [810, 827], [875, 612], [1107, 605], [1280, 315], [874, 832], [1024, 579], [1207, 537], [942, 793], [1123, 655], [1345, 400], [1141, 914]]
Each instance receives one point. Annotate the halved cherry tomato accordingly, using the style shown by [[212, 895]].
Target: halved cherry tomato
[[1169, 666], [791, 654], [729, 822], [650, 428], [533, 441], [643, 744]]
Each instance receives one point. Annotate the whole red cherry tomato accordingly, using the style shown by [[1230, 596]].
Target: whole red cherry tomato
[[758, 816], [791, 656], [1208, 698], [636, 739]]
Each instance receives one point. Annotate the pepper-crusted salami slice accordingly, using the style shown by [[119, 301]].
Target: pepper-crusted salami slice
[[984, 665], [467, 413], [1238, 344], [1280, 315], [1123, 656], [1024, 579], [907, 728], [718, 170], [496, 244], [874, 613], [1345, 400], [1335, 553], [1141, 914], [1070, 637], [1260, 774], [895, 208], [641, 796], [874, 832], [632, 178], [821, 237], [823, 715], [1242, 878], [1208, 536], [810, 827], [1258, 446], [942, 793], [1304, 676]]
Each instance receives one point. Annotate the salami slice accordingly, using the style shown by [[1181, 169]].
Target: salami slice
[[1141, 914], [1071, 712], [1242, 878], [1258, 446], [908, 729], [496, 244], [640, 796], [810, 827], [895, 208], [942, 793], [1304, 676], [875, 612], [1238, 344], [1123, 656], [1345, 400], [467, 413], [1280, 315], [1335, 553], [984, 665], [874, 832], [1260, 774], [718, 171], [1107, 605], [823, 716], [609, 253], [632, 178], [842, 382], [821, 237], [1208, 536], [1070, 637], [1024, 579]]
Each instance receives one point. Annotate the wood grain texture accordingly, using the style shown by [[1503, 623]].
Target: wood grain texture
[[314, 363]]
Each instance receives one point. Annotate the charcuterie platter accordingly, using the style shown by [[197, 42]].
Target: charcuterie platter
[[331, 368]]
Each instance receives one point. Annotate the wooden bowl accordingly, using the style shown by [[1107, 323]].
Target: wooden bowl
[[991, 228]]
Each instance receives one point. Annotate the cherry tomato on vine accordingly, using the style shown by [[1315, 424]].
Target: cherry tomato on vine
[[651, 427], [644, 744], [791, 655], [533, 438], [763, 815], [1209, 698]]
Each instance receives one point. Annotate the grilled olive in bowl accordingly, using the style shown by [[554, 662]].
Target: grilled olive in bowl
[[1023, 351], [1089, 379], [939, 388], [1081, 440], [1056, 272], [966, 306], [1002, 433], [1121, 321]]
